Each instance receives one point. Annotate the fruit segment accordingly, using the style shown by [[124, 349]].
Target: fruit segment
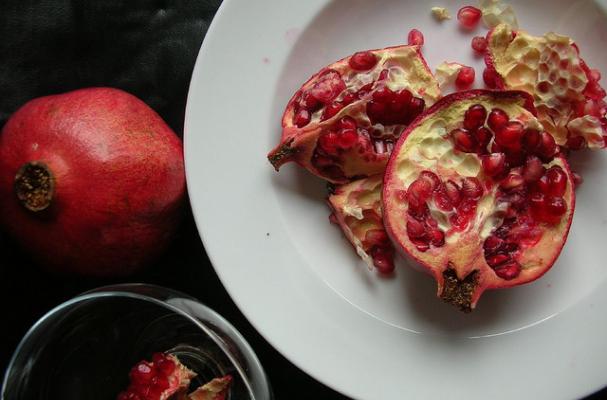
[[356, 209], [567, 94], [476, 191], [343, 122]]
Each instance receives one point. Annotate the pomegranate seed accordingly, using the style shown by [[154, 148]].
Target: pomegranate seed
[[469, 16], [431, 221], [362, 61], [383, 74], [459, 222], [467, 207], [142, 373], [328, 143], [576, 143], [347, 138], [415, 229], [383, 95], [363, 91], [383, 259], [510, 134], [531, 140], [594, 91], [577, 179], [420, 245], [420, 188], [436, 237], [161, 382], [442, 200], [490, 78], [346, 122], [514, 157], [479, 44], [463, 140], [555, 207], [474, 117], [465, 77], [166, 366], [512, 181], [533, 169], [537, 201], [453, 191], [417, 209], [483, 137], [302, 118], [415, 37], [331, 110], [375, 111], [494, 163], [497, 119], [472, 188], [497, 259], [557, 181], [492, 244], [328, 87], [509, 271], [416, 107], [404, 97], [547, 147], [310, 102], [376, 237], [349, 98], [431, 178]]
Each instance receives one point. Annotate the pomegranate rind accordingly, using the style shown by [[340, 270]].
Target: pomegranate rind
[[462, 253], [357, 210], [409, 70], [216, 389], [550, 68]]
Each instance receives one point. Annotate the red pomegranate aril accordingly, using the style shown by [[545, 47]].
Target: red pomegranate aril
[[479, 44], [594, 91], [362, 61], [510, 134], [415, 37], [302, 118], [508, 271], [404, 97], [363, 91], [463, 140], [595, 75], [465, 77], [431, 178], [497, 119], [347, 138], [472, 188], [469, 17], [547, 147], [467, 207], [383, 95], [416, 107], [415, 229], [346, 123], [531, 140], [329, 86], [490, 78], [557, 181], [376, 237], [331, 110], [576, 143], [436, 237], [375, 111], [383, 259], [537, 201], [329, 143], [349, 98], [453, 191], [475, 117], [533, 169], [492, 244], [493, 164], [512, 181], [142, 373], [310, 102], [442, 200], [555, 206], [383, 74], [420, 188], [497, 259]]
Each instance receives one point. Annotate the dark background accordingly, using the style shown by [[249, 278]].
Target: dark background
[[147, 48]]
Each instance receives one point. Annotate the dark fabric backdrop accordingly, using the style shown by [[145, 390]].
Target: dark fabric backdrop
[[147, 48]]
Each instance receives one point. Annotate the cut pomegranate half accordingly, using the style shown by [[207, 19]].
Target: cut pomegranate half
[[356, 210], [567, 94], [342, 123], [476, 193], [166, 378]]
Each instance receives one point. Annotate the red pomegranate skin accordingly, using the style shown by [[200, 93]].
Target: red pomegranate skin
[[119, 181]]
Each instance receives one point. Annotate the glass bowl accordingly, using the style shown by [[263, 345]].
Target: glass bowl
[[85, 347]]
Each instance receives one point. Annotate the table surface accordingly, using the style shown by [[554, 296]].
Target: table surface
[[147, 48]]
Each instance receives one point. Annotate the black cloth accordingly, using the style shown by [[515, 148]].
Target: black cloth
[[147, 48]]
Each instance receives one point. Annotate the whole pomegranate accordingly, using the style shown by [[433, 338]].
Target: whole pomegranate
[[91, 181], [477, 193]]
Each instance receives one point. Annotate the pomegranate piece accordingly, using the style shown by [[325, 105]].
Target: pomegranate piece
[[91, 182], [567, 93], [469, 17], [380, 91], [465, 78], [415, 38], [479, 44], [356, 209], [524, 209]]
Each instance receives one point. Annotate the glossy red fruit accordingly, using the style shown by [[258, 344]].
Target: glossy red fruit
[[415, 37], [465, 77], [469, 17], [91, 181], [511, 212], [362, 61], [479, 44]]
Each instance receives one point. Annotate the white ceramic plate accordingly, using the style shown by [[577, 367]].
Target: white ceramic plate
[[297, 279]]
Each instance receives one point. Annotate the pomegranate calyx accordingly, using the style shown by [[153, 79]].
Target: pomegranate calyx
[[34, 186], [283, 154], [458, 292]]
